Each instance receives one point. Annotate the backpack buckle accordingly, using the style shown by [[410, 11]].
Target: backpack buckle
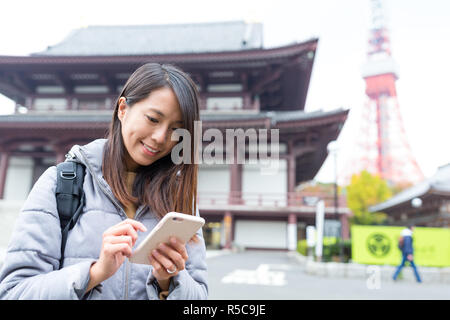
[[68, 175]]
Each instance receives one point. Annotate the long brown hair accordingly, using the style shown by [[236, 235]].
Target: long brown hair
[[163, 185]]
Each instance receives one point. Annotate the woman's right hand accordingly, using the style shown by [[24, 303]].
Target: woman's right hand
[[117, 244]]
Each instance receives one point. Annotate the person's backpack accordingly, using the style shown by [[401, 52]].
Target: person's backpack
[[69, 196], [400, 243]]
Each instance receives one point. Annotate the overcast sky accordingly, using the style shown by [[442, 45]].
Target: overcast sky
[[420, 33]]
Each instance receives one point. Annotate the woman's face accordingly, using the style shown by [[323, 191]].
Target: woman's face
[[148, 125]]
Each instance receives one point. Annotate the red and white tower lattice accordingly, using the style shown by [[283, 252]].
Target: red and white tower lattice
[[382, 147]]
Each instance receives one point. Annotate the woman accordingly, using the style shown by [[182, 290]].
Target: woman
[[130, 183]]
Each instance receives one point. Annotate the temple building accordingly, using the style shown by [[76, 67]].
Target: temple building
[[425, 204], [65, 96]]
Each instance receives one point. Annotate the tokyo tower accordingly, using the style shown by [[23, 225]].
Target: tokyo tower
[[382, 147]]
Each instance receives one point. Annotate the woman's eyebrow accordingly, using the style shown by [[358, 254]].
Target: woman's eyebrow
[[162, 114], [157, 111]]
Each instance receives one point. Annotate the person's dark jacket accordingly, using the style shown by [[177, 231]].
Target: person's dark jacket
[[407, 245]]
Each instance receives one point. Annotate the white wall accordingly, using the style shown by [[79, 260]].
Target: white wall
[[272, 187], [224, 103], [19, 178], [43, 104], [212, 180], [261, 234]]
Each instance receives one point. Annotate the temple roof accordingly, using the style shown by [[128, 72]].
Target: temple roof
[[438, 183], [66, 128], [212, 53], [159, 39], [275, 117]]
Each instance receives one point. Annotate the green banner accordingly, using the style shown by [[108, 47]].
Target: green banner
[[378, 245]]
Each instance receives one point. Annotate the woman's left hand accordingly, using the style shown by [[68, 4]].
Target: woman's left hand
[[168, 259]]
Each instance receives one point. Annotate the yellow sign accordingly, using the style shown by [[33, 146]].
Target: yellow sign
[[378, 245]]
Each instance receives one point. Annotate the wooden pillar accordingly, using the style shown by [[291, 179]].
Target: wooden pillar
[[60, 157], [60, 152], [255, 103], [235, 196], [228, 229], [291, 169], [292, 219], [4, 162], [247, 101], [69, 99], [236, 183], [38, 169], [247, 95], [202, 102], [345, 230]]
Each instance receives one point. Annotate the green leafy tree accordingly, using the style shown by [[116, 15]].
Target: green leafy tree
[[366, 190]]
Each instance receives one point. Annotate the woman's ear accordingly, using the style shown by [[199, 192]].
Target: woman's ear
[[122, 109]]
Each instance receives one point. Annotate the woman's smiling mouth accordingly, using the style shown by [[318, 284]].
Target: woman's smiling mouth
[[148, 150]]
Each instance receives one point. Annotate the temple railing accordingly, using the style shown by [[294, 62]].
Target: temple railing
[[282, 200]]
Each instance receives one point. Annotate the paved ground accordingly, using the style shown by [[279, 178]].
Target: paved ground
[[273, 275], [258, 275]]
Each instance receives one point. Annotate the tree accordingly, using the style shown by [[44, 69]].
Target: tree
[[366, 190]]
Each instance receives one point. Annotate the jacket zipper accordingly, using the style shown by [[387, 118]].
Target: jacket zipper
[[127, 263], [127, 272], [122, 212], [139, 211]]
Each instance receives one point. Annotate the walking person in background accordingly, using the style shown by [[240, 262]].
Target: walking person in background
[[406, 246]]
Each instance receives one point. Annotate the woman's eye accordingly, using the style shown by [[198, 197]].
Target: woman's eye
[[152, 119]]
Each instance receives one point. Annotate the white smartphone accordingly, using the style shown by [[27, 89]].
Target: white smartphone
[[180, 225]]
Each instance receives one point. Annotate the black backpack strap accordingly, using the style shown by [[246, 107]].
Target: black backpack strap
[[69, 196]]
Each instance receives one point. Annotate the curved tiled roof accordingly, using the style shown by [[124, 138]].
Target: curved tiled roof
[[105, 116], [159, 39], [439, 182]]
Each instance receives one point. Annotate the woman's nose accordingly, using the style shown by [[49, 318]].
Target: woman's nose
[[160, 135]]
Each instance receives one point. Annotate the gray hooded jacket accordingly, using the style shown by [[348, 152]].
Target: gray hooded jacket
[[31, 266]]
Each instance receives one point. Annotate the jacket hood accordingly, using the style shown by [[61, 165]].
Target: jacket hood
[[91, 155]]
